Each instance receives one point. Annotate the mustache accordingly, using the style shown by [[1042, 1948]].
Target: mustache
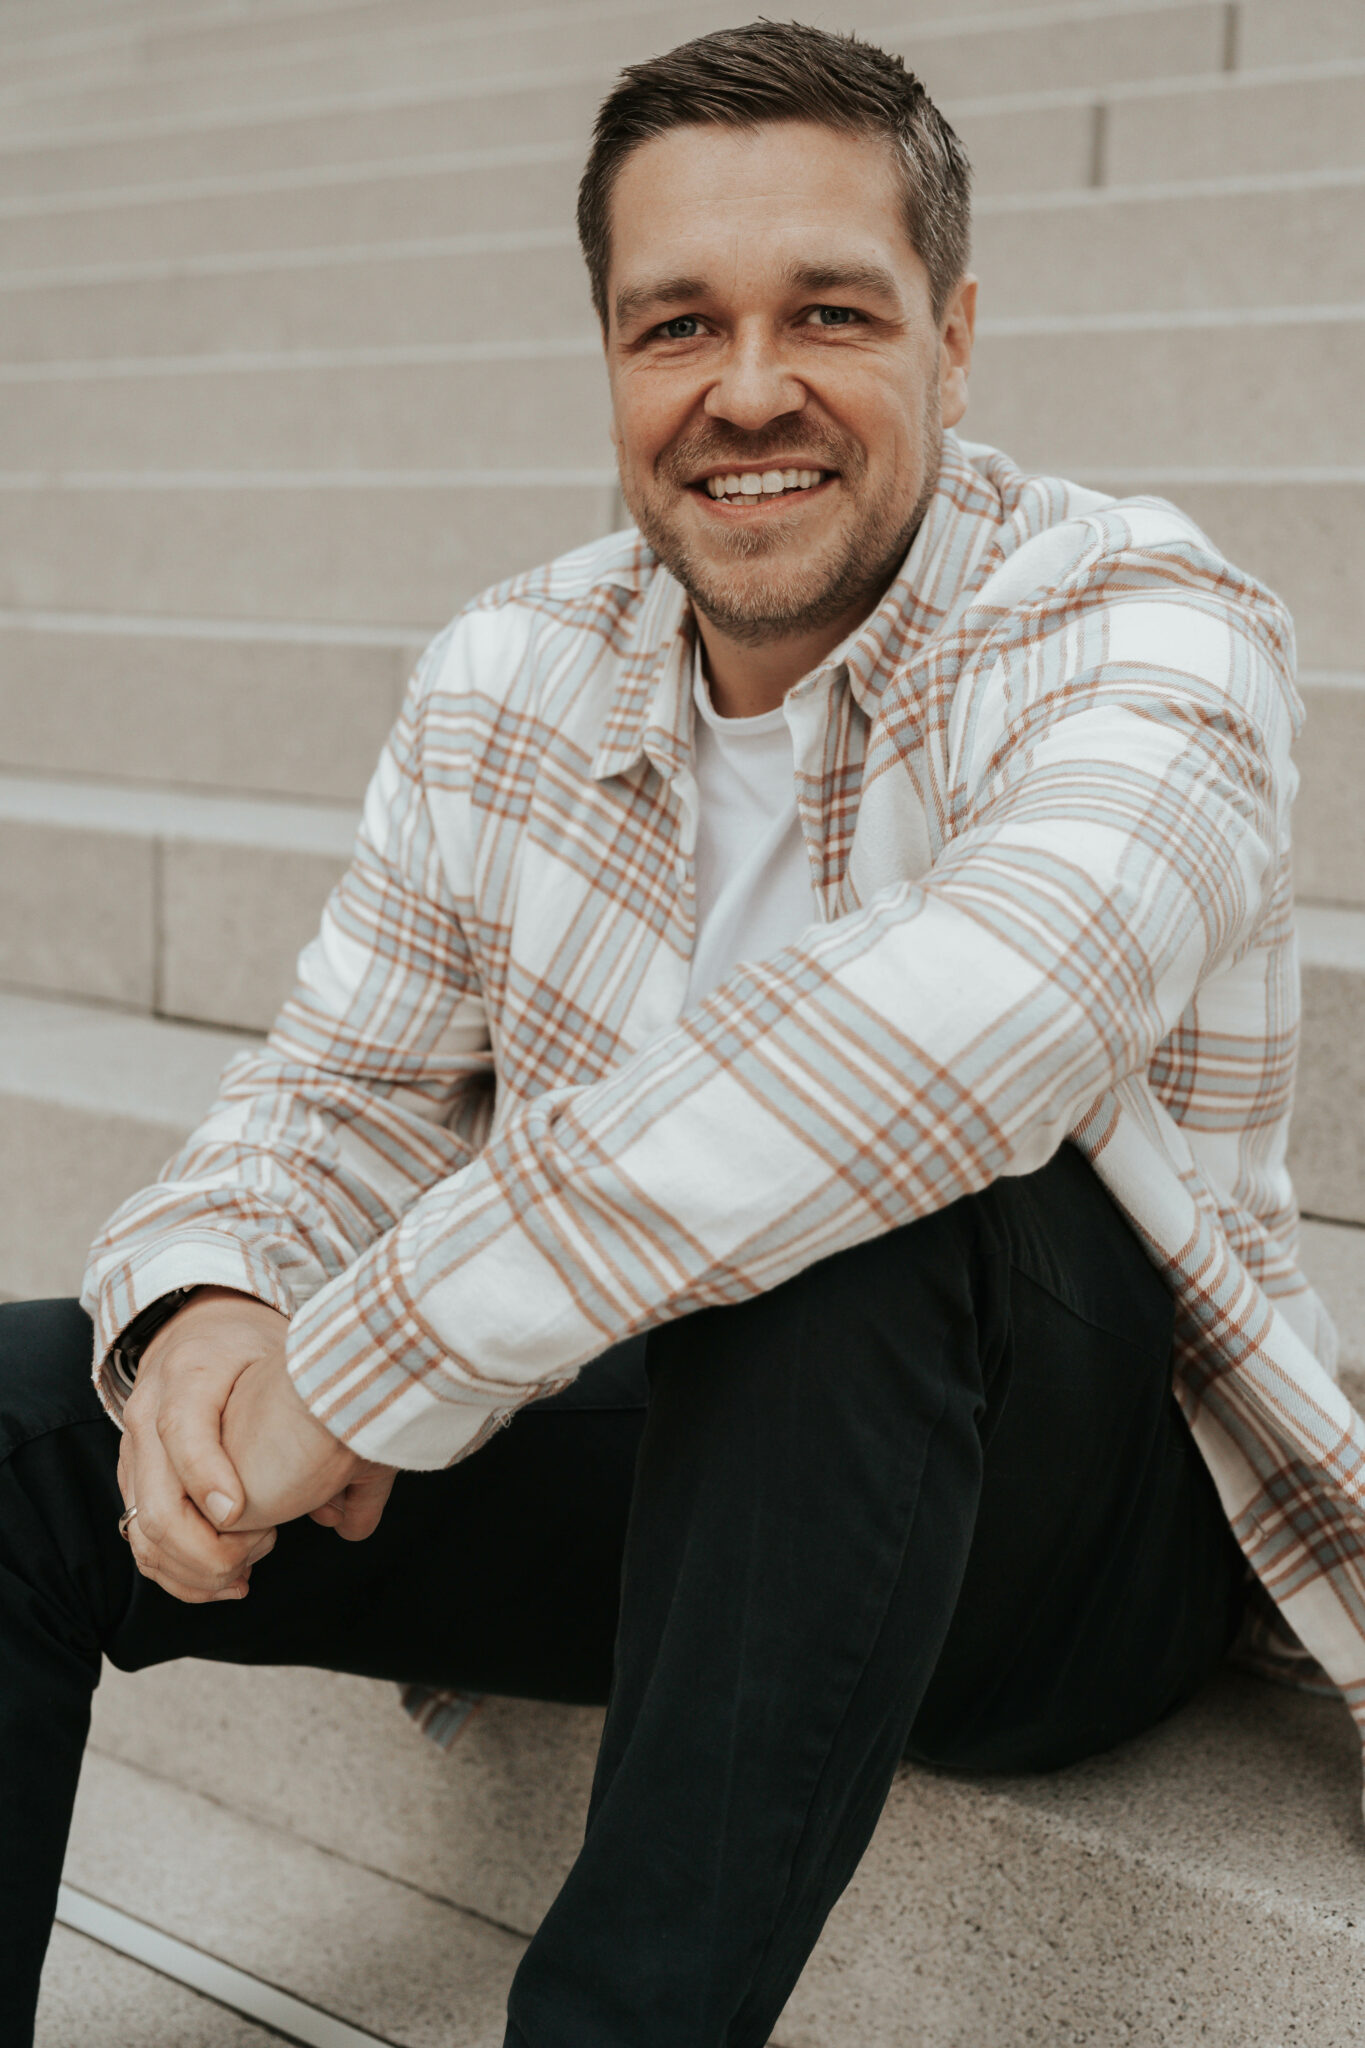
[[702, 450]]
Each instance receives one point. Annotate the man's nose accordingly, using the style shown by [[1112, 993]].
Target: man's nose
[[755, 384]]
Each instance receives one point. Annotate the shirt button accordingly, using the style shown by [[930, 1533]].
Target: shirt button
[[680, 867]]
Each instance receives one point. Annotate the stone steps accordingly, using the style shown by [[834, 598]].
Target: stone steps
[[189, 906], [386, 548], [1259, 243], [1172, 391], [1165, 1893], [92, 1103], [186, 701], [347, 1940], [1149, 132], [991, 53]]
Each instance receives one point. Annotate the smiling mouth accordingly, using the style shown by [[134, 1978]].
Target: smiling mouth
[[758, 487]]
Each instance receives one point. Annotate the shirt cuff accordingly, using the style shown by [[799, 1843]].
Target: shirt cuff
[[375, 1374], [200, 1258]]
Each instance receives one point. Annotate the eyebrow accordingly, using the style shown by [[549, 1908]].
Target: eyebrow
[[844, 277], [635, 299]]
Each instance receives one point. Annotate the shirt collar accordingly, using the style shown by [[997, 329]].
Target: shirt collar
[[651, 708]]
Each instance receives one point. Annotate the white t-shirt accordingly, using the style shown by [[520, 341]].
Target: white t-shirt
[[752, 875]]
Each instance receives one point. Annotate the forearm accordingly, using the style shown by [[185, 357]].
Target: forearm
[[876, 1071]]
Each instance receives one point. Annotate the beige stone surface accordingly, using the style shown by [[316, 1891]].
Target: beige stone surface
[[1181, 395], [1333, 1256], [377, 552], [1025, 148], [427, 119], [300, 210], [1309, 31], [532, 286], [94, 1998], [1237, 125], [1086, 49], [233, 920], [1157, 1894], [1043, 147], [1327, 1139], [378, 1954], [1329, 819], [199, 705], [1203, 1884], [77, 912], [1278, 243], [66, 1170], [481, 405], [492, 1826], [92, 1104], [1032, 55]]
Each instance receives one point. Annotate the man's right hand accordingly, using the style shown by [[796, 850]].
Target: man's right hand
[[172, 1463]]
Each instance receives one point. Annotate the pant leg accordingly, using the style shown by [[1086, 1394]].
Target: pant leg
[[839, 1482], [1127, 1591], [500, 1575]]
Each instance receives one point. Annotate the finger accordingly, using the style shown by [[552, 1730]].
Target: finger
[[190, 1429], [172, 1543]]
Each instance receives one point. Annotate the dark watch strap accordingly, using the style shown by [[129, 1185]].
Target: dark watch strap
[[133, 1340]]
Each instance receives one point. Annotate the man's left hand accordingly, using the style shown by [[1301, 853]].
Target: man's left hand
[[290, 1465]]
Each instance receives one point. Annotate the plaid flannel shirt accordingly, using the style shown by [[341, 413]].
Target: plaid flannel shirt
[[1045, 792]]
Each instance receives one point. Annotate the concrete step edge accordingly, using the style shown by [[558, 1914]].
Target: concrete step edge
[[588, 345], [307, 177], [89, 1057], [313, 177], [151, 811], [262, 261], [135, 625], [982, 22], [152, 481], [397, 98]]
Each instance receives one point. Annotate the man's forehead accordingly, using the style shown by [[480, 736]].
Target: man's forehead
[[706, 175], [700, 207]]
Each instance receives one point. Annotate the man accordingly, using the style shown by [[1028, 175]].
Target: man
[[842, 931]]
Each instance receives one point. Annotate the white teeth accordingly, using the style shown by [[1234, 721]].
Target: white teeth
[[768, 483]]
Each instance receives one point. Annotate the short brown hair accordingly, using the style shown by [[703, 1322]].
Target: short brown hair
[[786, 71]]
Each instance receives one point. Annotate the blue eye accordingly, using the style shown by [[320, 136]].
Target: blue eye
[[683, 327], [835, 316]]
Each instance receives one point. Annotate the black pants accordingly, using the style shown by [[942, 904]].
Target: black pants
[[931, 1497]]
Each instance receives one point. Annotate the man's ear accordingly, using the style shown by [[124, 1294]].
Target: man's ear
[[957, 332]]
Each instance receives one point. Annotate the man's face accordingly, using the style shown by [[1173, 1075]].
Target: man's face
[[771, 324]]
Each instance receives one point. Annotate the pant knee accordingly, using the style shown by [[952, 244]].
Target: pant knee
[[45, 1380]]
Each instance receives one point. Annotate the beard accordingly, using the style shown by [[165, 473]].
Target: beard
[[763, 586]]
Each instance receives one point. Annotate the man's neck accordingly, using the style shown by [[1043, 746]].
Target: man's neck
[[746, 680]]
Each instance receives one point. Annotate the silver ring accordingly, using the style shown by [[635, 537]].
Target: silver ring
[[124, 1519]]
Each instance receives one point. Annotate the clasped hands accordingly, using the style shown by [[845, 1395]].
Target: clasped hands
[[218, 1450]]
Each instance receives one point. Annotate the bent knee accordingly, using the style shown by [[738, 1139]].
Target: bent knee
[[45, 1357]]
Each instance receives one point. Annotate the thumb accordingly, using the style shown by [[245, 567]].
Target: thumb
[[363, 1502], [190, 1436]]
